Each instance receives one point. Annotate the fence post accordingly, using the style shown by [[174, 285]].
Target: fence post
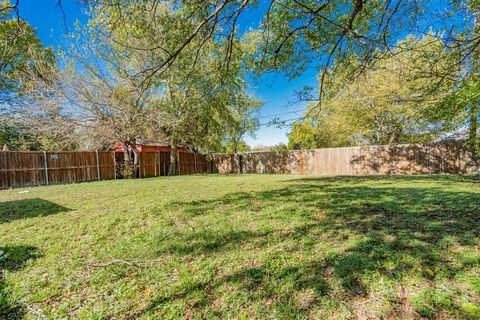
[[178, 162], [195, 162], [139, 165], [46, 166], [442, 159], [164, 173], [114, 166], [98, 165], [429, 159], [159, 164]]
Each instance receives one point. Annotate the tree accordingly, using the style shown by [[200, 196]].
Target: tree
[[397, 100], [244, 122], [239, 146], [193, 104], [468, 96], [202, 107], [318, 132], [288, 32], [25, 66], [293, 34], [280, 147], [12, 136], [98, 87], [296, 34], [21, 50], [199, 103]]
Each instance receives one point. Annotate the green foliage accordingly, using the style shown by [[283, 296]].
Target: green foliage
[[280, 147], [240, 146], [244, 122], [196, 100], [399, 99], [29, 121], [298, 34], [466, 100], [19, 137], [20, 50], [12, 137], [471, 310], [318, 133]]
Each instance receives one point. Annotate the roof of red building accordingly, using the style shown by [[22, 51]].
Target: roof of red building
[[152, 147]]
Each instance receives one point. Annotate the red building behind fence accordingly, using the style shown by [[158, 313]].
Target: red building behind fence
[[151, 147]]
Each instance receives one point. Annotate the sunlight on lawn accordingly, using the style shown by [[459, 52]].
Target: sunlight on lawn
[[246, 246]]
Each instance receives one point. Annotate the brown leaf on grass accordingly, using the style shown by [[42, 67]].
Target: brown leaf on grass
[[147, 292]]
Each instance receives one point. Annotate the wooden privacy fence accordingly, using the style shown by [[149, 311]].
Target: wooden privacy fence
[[154, 164], [446, 157], [20, 169]]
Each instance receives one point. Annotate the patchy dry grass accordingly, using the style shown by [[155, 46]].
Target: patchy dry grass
[[250, 246]]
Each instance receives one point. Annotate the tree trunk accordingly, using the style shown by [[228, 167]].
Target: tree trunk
[[235, 145], [472, 134], [473, 112], [173, 170], [128, 168], [136, 162]]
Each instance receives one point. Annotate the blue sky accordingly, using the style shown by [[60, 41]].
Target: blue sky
[[274, 89]]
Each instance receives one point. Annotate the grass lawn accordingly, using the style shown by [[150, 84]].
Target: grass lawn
[[243, 247]]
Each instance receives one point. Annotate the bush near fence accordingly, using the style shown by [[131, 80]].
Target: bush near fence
[[21, 169], [445, 157]]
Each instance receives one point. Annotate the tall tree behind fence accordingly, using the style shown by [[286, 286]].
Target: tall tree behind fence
[[447, 157], [20, 169]]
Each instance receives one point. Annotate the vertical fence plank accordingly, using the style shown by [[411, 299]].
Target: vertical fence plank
[[195, 162], [448, 157], [46, 166], [98, 165], [114, 165], [18, 169], [140, 162], [178, 162]]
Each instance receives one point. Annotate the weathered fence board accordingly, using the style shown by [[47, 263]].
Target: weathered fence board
[[20, 169], [149, 164], [69, 167], [447, 157], [154, 164]]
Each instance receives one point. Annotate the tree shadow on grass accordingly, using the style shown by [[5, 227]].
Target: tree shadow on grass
[[28, 208], [208, 241], [12, 259], [400, 233], [438, 178]]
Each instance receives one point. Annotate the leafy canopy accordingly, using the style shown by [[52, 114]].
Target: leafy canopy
[[399, 99]]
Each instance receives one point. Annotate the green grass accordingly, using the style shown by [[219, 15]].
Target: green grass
[[243, 247]]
